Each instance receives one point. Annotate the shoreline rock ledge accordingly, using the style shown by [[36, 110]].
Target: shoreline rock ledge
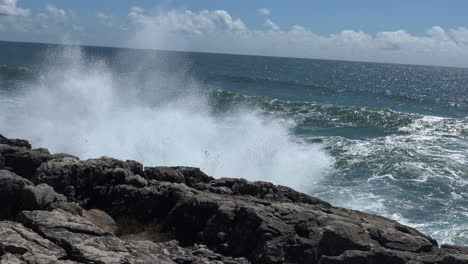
[[56, 208]]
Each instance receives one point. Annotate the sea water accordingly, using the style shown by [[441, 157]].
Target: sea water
[[383, 138]]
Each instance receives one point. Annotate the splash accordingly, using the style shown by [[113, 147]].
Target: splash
[[79, 105]]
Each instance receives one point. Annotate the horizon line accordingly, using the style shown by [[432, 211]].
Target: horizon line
[[233, 54]]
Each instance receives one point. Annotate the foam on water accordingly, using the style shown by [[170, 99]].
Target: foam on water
[[417, 177], [409, 166], [80, 106]]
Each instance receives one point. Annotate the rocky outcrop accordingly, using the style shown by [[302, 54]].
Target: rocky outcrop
[[63, 209]]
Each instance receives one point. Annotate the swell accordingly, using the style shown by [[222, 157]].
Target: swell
[[422, 98], [309, 114], [15, 73]]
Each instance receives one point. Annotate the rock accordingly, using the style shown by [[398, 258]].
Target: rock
[[136, 180], [395, 239], [2, 162], [86, 243], [11, 186], [212, 220], [355, 256], [21, 194], [22, 161], [102, 220], [15, 142], [76, 179], [166, 174], [25, 246], [457, 249], [135, 166], [40, 197]]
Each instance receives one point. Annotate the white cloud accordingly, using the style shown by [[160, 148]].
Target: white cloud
[[187, 21], [104, 19], [460, 34], [52, 25], [9, 8], [56, 12], [217, 31], [136, 9], [264, 11], [271, 25]]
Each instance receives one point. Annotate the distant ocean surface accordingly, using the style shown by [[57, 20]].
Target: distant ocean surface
[[383, 138]]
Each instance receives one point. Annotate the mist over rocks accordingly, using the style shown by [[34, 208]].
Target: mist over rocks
[[57, 208]]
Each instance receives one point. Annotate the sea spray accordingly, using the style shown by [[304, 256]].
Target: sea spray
[[398, 145], [79, 105]]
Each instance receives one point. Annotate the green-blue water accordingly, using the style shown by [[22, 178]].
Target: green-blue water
[[383, 138]]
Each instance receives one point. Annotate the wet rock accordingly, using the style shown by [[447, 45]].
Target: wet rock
[[15, 142], [11, 186], [23, 161], [213, 220], [166, 174]]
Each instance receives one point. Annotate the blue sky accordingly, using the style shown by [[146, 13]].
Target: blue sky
[[322, 16], [403, 31]]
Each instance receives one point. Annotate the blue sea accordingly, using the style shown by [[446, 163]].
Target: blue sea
[[386, 139]]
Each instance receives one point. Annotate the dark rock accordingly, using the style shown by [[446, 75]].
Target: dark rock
[[83, 242], [40, 197], [362, 257], [11, 187], [136, 180], [15, 142], [395, 239], [22, 161], [2, 162], [457, 249], [215, 220], [135, 166], [455, 259], [166, 174], [20, 194], [340, 236], [257, 220]]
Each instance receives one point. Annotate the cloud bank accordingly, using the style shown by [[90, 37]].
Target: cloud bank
[[9, 8], [218, 31]]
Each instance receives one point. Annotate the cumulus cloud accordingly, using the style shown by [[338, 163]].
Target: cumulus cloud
[[104, 19], [271, 25], [56, 12], [218, 31], [187, 21], [10, 8], [460, 34], [52, 24], [264, 11]]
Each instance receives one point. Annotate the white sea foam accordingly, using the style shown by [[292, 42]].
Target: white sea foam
[[83, 108]]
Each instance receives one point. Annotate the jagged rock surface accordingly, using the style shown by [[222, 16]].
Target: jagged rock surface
[[189, 216]]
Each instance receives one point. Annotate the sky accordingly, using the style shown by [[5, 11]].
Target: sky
[[429, 32]]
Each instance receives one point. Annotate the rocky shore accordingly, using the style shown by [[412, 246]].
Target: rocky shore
[[56, 208]]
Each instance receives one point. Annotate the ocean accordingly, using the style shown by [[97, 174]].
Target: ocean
[[386, 139]]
